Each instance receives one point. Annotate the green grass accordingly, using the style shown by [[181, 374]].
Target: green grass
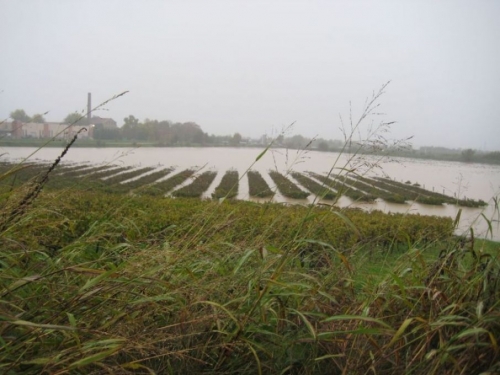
[[94, 282]]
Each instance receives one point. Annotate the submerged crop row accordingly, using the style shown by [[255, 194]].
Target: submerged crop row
[[17, 175], [228, 187], [86, 171], [375, 191], [433, 195], [144, 180], [257, 186], [112, 178], [118, 178], [362, 188], [106, 173], [286, 187], [319, 190], [196, 188], [402, 192], [70, 168], [163, 187], [343, 189]]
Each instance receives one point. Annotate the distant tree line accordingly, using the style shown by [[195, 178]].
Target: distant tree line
[[450, 154], [20, 115], [167, 133]]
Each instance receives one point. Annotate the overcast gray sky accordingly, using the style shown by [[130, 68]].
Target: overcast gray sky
[[249, 66]]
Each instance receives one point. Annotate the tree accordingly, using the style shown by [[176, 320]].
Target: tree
[[492, 156], [75, 118], [186, 134], [148, 129], [235, 141], [297, 141], [468, 155], [106, 134], [322, 146], [38, 118], [130, 121], [20, 115], [163, 131]]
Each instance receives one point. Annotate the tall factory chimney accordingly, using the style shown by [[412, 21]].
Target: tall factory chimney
[[89, 107]]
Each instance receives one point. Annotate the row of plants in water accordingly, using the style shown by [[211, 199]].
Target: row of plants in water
[[342, 189], [314, 187], [61, 168], [435, 195], [144, 180], [368, 189], [286, 187], [403, 191], [17, 175], [196, 188], [356, 187], [228, 186], [86, 171], [163, 187], [257, 186], [113, 171], [121, 177], [376, 192]]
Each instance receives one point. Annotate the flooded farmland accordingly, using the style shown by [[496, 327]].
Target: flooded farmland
[[456, 180]]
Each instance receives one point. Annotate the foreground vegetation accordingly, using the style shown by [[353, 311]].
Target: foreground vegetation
[[94, 282]]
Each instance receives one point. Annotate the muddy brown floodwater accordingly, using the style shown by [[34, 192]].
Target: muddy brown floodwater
[[476, 181]]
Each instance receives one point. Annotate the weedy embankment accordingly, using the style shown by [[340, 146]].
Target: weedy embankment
[[109, 283]]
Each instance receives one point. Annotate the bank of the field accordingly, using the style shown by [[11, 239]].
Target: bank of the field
[[94, 282]]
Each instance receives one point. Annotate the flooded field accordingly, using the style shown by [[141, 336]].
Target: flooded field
[[458, 180]]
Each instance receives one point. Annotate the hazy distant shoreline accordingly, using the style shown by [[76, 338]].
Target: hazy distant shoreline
[[480, 158]]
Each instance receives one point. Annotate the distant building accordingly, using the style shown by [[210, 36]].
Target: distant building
[[57, 130], [5, 129], [107, 123]]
